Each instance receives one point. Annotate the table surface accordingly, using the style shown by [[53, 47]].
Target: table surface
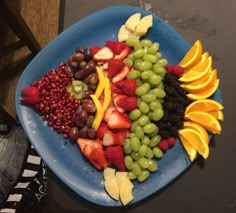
[[207, 186]]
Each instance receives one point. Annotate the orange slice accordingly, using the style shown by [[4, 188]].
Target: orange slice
[[206, 93], [196, 140], [201, 84], [192, 56], [204, 105], [208, 121], [198, 128], [204, 56], [197, 71], [218, 114]]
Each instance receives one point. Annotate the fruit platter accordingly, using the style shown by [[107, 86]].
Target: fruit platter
[[120, 104]]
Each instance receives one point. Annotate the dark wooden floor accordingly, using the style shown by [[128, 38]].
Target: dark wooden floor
[[42, 17]]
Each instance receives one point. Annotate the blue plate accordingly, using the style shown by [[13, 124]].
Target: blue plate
[[63, 157]]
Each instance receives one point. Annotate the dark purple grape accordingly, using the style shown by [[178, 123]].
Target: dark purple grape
[[90, 107], [79, 123], [82, 64], [93, 79], [70, 60], [90, 120], [87, 93], [80, 50], [87, 54], [83, 115], [78, 57], [69, 72], [80, 74], [74, 133], [92, 133], [79, 108], [86, 100], [74, 64], [83, 132], [92, 87]]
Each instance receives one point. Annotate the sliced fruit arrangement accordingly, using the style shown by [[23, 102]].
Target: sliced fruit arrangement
[[125, 106]]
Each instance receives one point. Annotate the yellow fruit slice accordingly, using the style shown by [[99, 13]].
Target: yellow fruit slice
[[218, 114], [206, 93], [201, 84], [192, 56], [132, 21], [126, 188], [144, 24], [196, 140], [112, 188], [109, 173], [208, 121], [204, 56], [123, 33], [197, 71], [197, 127], [188, 148], [204, 105]]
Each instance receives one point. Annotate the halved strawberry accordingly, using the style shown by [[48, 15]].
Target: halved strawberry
[[107, 113], [98, 156], [114, 67], [118, 121], [127, 103], [115, 89], [101, 130], [121, 75], [116, 98], [116, 46], [31, 95], [95, 49], [105, 66], [128, 87], [113, 138], [104, 54], [125, 52]]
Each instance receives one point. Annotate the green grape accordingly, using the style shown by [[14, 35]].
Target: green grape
[[161, 86], [143, 175], [141, 90], [149, 153], [143, 120], [132, 41], [157, 114], [144, 65], [128, 162], [144, 107], [135, 143], [133, 74], [157, 152], [139, 82], [150, 135], [160, 100], [131, 56], [150, 128], [163, 62], [148, 98], [155, 105], [149, 57], [155, 79], [143, 162], [159, 93], [155, 140], [145, 140], [159, 70], [152, 165], [136, 168], [135, 155], [153, 48], [131, 175], [146, 74], [136, 63], [135, 114], [139, 53], [146, 43], [142, 150], [138, 46], [158, 55], [139, 132], [134, 125], [128, 62], [127, 146]]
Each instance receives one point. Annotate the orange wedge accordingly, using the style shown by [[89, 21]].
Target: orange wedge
[[201, 84], [204, 105], [197, 71], [198, 128], [208, 121], [192, 56], [206, 93], [218, 114], [204, 56], [196, 140]]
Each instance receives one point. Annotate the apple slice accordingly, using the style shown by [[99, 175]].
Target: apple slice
[[112, 188], [109, 173], [144, 24], [132, 21], [123, 33], [126, 188]]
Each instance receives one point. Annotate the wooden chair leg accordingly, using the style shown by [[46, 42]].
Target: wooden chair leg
[[16, 22]]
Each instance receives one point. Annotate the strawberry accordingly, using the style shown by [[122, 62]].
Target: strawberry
[[128, 87], [125, 52], [104, 54], [115, 89], [116, 98], [108, 112], [115, 155], [32, 95], [98, 156], [105, 66], [121, 75], [114, 67], [87, 147], [95, 49], [127, 103], [101, 130], [116, 46], [118, 121], [113, 138]]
